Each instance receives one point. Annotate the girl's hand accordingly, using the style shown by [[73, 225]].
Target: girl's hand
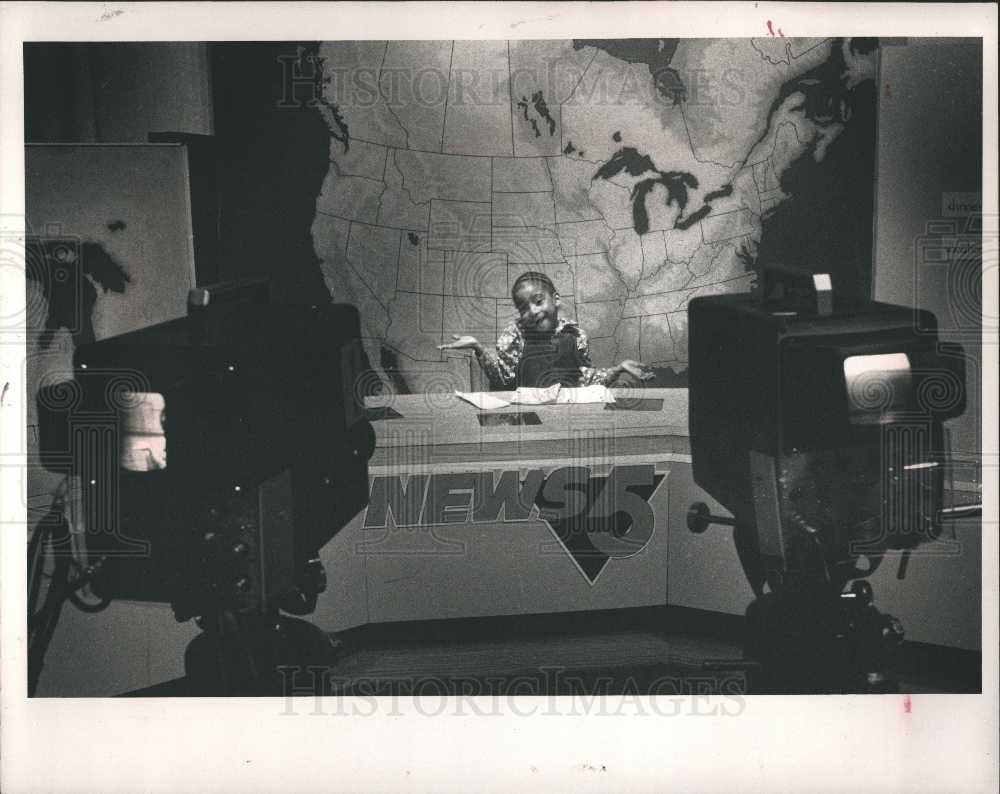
[[636, 369], [462, 343]]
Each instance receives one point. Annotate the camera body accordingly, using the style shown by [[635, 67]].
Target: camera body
[[218, 452], [818, 422]]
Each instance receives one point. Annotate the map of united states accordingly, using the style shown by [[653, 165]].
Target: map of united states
[[635, 173]]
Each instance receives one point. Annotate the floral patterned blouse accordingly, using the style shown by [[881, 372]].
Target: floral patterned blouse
[[501, 365]]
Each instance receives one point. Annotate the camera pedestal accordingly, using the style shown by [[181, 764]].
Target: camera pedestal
[[808, 634], [256, 655], [812, 638]]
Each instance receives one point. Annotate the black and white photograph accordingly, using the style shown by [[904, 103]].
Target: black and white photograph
[[508, 372]]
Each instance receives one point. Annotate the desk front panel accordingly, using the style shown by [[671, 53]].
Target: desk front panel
[[471, 521]]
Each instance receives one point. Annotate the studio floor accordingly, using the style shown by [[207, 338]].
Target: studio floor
[[663, 651]]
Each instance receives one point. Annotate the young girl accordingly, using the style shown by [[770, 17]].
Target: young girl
[[540, 348]]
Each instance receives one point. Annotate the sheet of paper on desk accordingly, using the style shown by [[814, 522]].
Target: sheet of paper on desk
[[482, 400], [586, 394]]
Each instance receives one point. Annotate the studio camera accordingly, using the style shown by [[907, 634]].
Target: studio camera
[[215, 455], [818, 423]]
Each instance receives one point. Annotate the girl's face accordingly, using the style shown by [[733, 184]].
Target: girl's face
[[539, 308]]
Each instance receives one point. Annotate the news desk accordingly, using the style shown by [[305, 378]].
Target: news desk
[[434, 542], [455, 525]]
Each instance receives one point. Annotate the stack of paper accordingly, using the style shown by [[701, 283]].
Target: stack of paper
[[553, 395], [586, 394], [536, 396]]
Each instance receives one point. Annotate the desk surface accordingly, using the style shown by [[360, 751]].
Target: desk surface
[[441, 428]]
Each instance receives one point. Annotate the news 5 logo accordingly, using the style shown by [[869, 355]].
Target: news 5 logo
[[595, 518]]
